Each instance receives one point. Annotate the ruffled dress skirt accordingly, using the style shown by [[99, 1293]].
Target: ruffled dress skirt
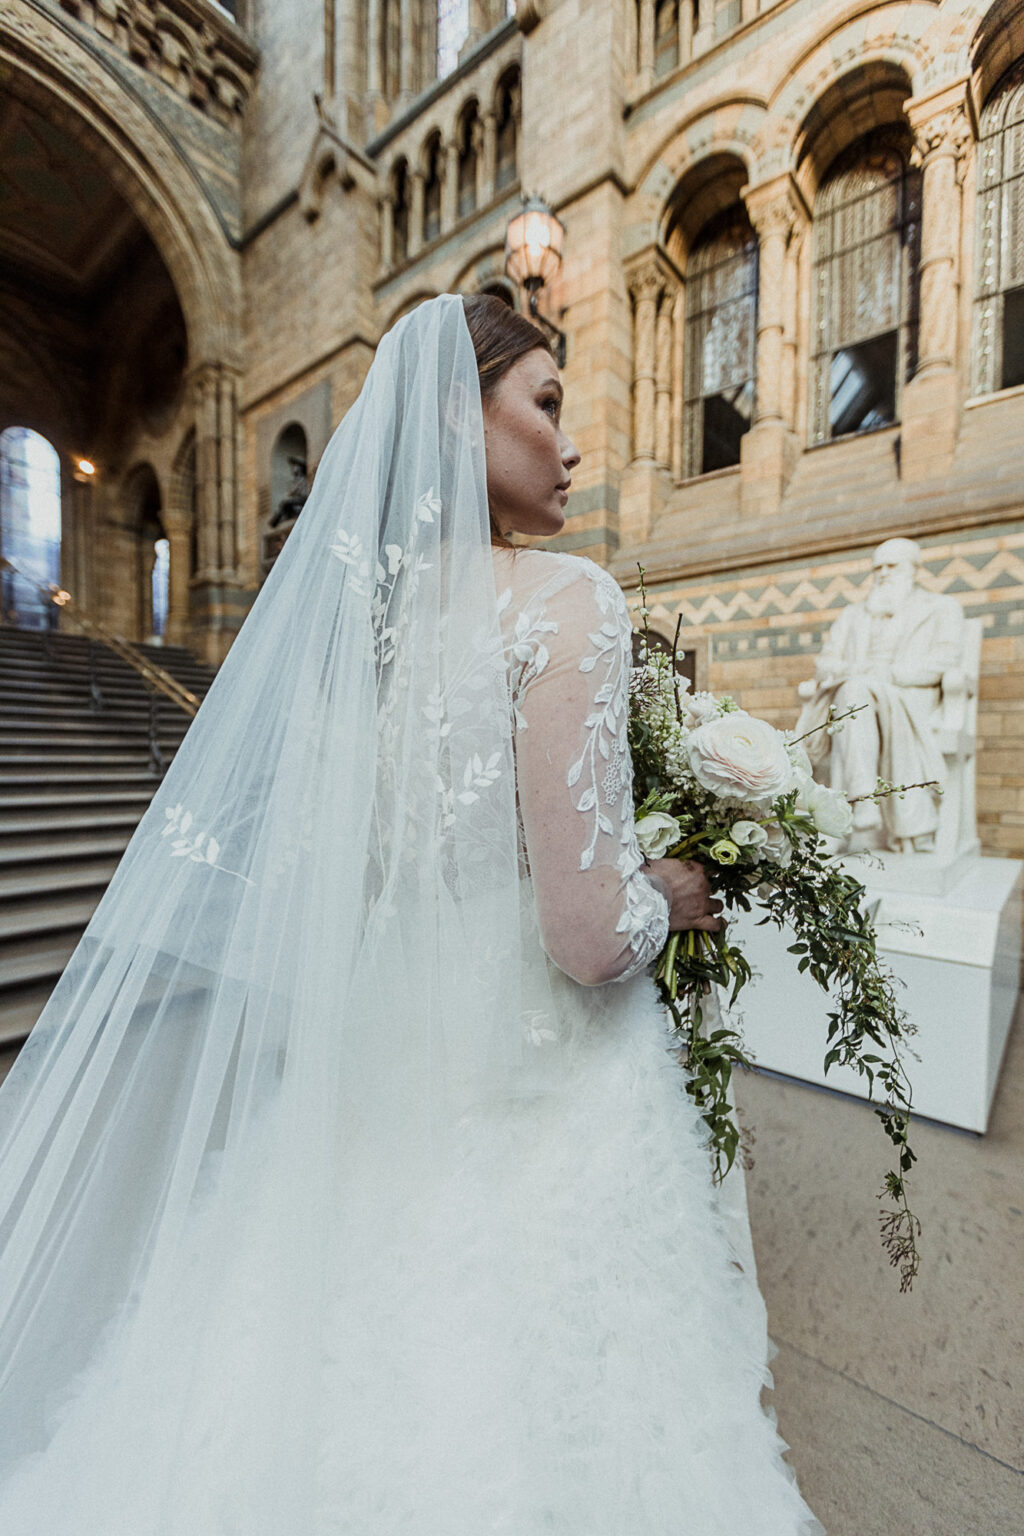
[[557, 1339]]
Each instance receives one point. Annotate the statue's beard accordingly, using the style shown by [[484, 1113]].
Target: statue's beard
[[889, 593]]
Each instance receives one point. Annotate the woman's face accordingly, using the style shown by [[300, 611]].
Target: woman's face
[[529, 457]]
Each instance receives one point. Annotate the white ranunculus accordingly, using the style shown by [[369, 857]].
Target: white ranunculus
[[749, 834], [777, 846], [656, 833], [830, 811], [740, 756]]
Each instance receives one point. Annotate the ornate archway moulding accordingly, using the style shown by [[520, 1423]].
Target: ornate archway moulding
[[198, 50], [729, 125], [42, 62], [891, 35]]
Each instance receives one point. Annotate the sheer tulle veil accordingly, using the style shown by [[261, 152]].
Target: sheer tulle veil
[[306, 975]]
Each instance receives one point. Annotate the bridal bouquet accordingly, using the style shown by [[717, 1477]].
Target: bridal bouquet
[[719, 786]]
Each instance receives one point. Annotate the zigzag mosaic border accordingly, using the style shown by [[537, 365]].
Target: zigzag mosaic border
[[788, 608]]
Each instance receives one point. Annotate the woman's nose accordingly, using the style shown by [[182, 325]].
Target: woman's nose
[[570, 454]]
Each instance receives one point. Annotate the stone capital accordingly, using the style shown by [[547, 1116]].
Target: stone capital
[[651, 274], [948, 132], [776, 209]]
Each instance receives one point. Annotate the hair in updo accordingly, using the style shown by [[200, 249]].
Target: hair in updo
[[500, 336]]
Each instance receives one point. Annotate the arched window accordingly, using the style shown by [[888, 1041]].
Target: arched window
[[452, 31], [506, 168], [999, 305], [400, 214], [161, 587], [289, 469], [720, 345], [467, 134], [29, 526], [432, 165], [864, 286]]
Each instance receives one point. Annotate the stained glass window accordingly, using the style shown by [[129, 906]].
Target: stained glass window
[[864, 286], [452, 31], [721, 333], [999, 302]]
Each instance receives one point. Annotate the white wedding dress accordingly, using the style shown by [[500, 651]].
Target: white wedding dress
[[554, 1339]]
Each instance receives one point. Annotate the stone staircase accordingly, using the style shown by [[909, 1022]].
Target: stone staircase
[[74, 783]]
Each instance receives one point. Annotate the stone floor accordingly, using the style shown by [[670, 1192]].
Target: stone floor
[[904, 1414]]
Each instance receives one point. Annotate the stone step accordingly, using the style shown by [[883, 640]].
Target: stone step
[[47, 915], [40, 799], [29, 882], [19, 823], [25, 760], [38, 778], [20, 1007], [36, 960], [35, 853]]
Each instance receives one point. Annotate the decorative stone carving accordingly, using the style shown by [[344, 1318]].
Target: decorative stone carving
[[898, 657], [196, 49]]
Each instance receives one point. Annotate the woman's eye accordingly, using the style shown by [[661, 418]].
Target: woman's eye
[[553, 401]]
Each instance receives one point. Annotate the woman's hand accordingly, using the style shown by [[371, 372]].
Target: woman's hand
[[691, 904]]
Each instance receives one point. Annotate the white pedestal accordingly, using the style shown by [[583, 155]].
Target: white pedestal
[[958, 955]]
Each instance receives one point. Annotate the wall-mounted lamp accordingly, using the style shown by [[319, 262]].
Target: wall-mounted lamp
[[84, 469], [533, 255]]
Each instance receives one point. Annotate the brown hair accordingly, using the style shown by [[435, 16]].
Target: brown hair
[[500, 336]]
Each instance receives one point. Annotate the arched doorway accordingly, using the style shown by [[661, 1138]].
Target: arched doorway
[[120, 320], [30, 524], [146, 524]]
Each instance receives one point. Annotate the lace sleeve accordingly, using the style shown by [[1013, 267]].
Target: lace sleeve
[[601, 919]]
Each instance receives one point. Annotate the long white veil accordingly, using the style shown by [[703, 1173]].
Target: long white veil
[[305, 975]]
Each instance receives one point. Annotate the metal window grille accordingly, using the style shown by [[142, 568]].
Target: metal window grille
[[720, 349], [999, 287], [864, 282]]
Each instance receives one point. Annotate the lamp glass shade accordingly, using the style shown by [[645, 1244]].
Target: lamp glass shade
[[533, 244]]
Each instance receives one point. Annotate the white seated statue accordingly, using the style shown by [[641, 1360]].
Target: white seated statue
[[906, 659]]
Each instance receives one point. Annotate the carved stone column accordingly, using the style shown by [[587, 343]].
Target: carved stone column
[[705, 33], [488, 160], [376, 107], [769, 451], [663, 380], [207, 537], [449, 186], [774, 217], [477, 142], [645, 46], [647, 284], [407, 55], [228, 461], [678, 350], [685, 32], [215, 397], [942, 135], [416, 212], [179, 542], [386, 208]]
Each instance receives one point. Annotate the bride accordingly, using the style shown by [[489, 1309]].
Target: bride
[[348, 1184]]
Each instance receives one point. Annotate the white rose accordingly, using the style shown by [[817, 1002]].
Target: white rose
[[749, 834], [777, 846], [830, 811], [741, 756], [656, 833]]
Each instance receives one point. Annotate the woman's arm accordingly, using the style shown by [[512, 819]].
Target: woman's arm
[[601, 917]]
